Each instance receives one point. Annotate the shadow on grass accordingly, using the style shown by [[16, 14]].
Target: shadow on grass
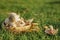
[[55, 2], [1, 24]]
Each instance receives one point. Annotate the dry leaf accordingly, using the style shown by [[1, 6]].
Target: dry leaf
[[50, 30]]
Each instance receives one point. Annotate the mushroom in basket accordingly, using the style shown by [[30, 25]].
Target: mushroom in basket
[[16, 24]]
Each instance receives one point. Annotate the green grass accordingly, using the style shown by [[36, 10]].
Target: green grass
[[45, 12]]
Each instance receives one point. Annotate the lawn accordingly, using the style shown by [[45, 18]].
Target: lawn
[[45, 12]]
